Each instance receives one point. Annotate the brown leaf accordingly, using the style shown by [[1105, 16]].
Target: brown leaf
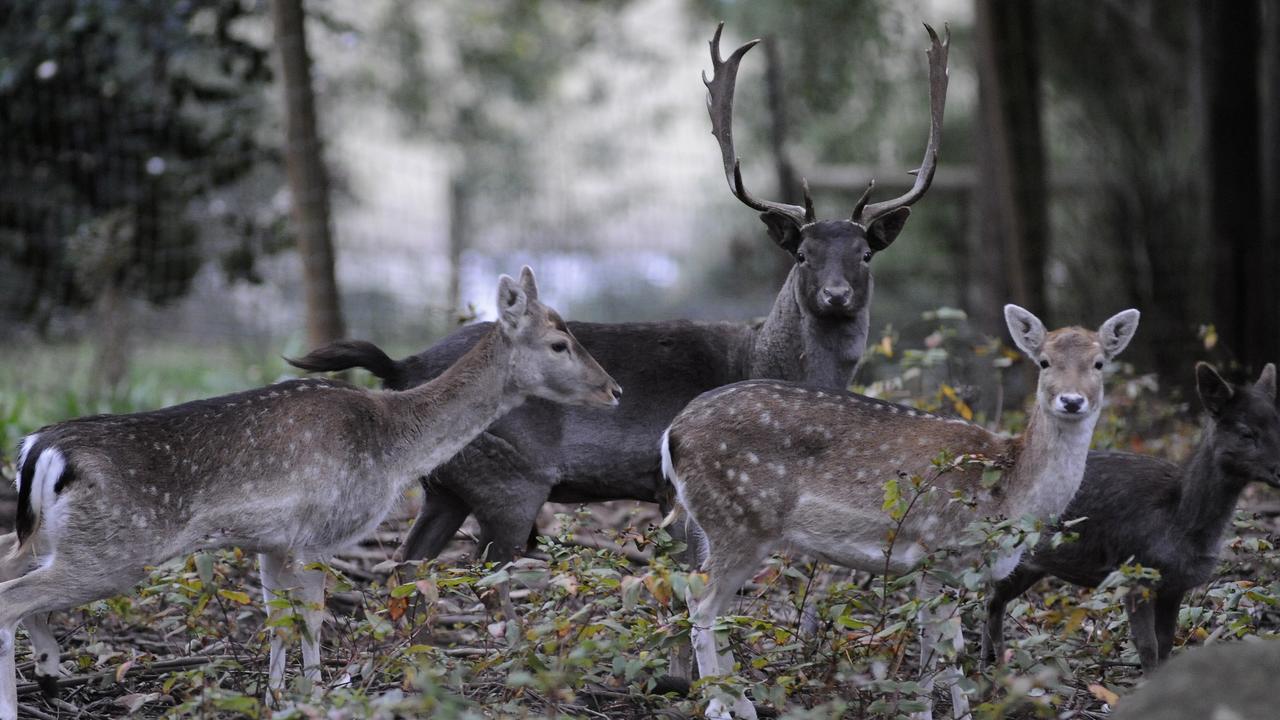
[[1103, 694], [396, 607]]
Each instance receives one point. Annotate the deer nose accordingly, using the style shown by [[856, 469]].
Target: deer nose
[[616, 391], [836, 296], [1072, 403]]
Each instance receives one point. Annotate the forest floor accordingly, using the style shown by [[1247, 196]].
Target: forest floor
[[597, 609]]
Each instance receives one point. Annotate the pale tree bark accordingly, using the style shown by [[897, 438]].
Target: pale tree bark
[[1007, 246], [308, 180]]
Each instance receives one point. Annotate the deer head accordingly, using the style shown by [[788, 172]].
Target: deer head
[[548, 361], [832, 256], [1246, 424], [1070, 359]]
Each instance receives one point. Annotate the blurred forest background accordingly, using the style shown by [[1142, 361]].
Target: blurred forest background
[[1096, 155]]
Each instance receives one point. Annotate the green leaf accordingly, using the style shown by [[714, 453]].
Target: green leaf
[[235, 596]]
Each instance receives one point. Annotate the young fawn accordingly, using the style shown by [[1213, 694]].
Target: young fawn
[[759, 464], [293, 471], [1154, 513]]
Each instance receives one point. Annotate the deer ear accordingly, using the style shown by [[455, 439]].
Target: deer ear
[[1116, 332], [784, 229], [527, 282], [1267, 381], [884, 230], [512, 303], [1026, 329], [1213, 390]]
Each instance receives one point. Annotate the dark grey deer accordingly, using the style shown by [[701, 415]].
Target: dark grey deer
[[1158, 514], [293, 471], [815, 333]]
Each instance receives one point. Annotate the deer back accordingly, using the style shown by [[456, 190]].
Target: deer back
[[784, 460]]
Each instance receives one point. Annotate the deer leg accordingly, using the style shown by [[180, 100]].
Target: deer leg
[[1000, 593], [440, 516], [47, 654], [277, 579], [729, 565], [311, 593], [1141, 613], [506, 516], [1168, 603], [62, 584], [935, 624]]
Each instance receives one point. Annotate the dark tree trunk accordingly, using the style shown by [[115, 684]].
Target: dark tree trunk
[[308, 181], [1266, 327], [1243, 292], [459, 236], [1007, 248], [788, 183]]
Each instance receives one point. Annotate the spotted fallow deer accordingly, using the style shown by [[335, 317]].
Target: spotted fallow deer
[[760, 464], [815, 333], [293, 471]]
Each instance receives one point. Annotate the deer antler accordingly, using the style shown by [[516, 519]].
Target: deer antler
[[720, 107], [865, 214]]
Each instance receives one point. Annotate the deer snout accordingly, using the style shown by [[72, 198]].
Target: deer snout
[[614, 392], [1072, 404], [837, 295]]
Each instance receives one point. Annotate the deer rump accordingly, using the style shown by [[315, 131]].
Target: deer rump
[[543, 452]]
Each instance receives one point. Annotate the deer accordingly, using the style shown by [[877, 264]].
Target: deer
[[1137, 508], [815, 333], [764, 463], [293, 471]]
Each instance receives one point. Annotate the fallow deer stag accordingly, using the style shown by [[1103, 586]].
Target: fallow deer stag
[[1152, 512], [293, 471], [764, 463], [815, 333]]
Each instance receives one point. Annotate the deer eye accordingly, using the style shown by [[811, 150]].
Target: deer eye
[[559, 346], [1097, 365], [800, 258], [866, 256], [1044, 363]]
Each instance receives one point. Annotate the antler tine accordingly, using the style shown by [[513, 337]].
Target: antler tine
[[720, 107], [937, 102], [862, 201], [809, 214]]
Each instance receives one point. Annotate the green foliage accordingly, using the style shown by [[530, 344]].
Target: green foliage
[[116, 115]]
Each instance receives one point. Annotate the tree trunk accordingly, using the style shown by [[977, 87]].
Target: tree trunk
[[459, 236], [1243, 290], [308, 181], [788, 184], [1007, 249], [1265, 331]]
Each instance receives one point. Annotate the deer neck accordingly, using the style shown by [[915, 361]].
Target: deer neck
[[795, 345], [1050, 466], [432, 422], [1209, 495]]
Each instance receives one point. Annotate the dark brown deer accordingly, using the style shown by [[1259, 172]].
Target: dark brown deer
[[815, 333], [1146, 510], [763, 463], [293, 471]]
